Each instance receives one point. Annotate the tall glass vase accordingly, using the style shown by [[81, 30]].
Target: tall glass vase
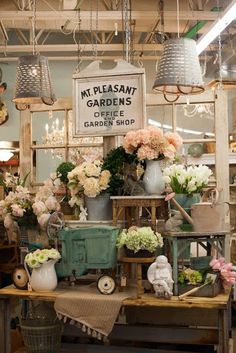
[[153, 178]]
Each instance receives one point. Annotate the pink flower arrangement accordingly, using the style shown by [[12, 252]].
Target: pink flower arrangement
[[226, 270], [152, 143]]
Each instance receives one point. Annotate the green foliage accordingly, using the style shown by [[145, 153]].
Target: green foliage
[[114, 162], [190, 276], [63, 169]]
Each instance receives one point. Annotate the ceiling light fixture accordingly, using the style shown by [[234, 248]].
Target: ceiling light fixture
[[201, 109], [7, 150], [179, 71], [227, 16], [33, 81]]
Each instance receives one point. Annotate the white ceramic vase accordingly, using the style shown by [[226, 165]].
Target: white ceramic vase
[[153, 179], [44, 278]]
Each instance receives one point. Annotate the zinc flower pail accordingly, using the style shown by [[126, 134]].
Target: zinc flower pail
[[43, 278], [153, 178], [99, 208]]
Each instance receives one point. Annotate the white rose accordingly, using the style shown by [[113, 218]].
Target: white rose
[[39, 208]]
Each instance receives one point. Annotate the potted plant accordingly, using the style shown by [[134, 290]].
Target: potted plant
[[187, 182], [16, 209], [139, 241], [116, 162], [89, 179], [152, 145], [62, 173], [43, 276]]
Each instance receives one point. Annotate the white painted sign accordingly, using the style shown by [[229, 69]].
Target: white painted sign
[[109, 102]]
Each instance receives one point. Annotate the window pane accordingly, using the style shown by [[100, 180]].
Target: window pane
[[48, 127], [46, 162], [195, 121], [160, 116]]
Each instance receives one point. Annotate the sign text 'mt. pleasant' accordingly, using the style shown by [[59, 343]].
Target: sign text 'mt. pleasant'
[[102, 102]]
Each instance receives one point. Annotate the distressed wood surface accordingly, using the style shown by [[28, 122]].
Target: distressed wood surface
[[148, 299]]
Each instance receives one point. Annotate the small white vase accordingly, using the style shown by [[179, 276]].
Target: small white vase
[[44, 278], [153, 178]]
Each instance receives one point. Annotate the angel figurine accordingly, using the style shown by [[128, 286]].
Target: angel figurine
[[83, 214], [160, 276]]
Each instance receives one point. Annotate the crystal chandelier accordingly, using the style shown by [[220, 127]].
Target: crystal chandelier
[[201, 109], [55, 136]]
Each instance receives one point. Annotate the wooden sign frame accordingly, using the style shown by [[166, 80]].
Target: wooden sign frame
[[108, 102]]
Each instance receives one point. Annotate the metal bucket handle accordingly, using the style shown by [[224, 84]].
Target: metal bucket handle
[[214, 198]]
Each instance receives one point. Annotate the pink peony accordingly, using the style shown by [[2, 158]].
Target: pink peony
[[151, 143], [174, 139]]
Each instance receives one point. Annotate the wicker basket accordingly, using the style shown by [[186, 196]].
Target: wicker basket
[[40, 337]]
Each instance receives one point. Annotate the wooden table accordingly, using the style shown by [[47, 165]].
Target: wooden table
[[212, 242], [156, 206], [191, 321], [138, 262]]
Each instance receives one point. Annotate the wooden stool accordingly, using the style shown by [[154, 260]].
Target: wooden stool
[[138, 261]]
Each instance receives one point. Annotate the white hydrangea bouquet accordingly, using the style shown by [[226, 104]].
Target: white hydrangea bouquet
[[38, 257], [187, 179], [88, 178], [45, 200], [140, 238]]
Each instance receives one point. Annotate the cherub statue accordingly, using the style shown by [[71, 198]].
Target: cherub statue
[[160, 276], [83, 214]]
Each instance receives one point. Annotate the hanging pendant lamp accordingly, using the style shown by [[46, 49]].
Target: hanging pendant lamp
[[33, 81], [179, 71]]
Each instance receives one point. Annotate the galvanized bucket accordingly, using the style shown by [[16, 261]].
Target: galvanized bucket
[[99, 208]]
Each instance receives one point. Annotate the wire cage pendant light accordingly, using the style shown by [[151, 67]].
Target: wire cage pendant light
[[179, 71], [33, 80]]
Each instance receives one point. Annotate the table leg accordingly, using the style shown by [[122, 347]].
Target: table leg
[[114, 215], [139, 280], [5, 340], [175, 265], [153, 220], [223, 322]]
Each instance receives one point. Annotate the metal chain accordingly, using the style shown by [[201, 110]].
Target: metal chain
[[177, 10], [220, 54], [78, 42], [33, 25], [94, 42], [127, 30]]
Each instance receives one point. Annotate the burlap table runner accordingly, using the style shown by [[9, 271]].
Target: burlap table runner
[[94, 312]]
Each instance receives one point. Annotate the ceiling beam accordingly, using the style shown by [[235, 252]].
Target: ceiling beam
[[88, 57], [84, 47], [108, 15]]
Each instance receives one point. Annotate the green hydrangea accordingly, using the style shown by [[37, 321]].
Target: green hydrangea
[[140, 238], [190, 276]]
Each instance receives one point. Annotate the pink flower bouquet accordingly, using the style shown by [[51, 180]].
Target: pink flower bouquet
[[152, 143], [228, 276]]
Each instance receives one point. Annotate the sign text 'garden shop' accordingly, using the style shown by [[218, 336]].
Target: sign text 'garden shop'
[[110, 104]]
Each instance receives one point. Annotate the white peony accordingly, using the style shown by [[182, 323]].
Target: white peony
[[43, 219]]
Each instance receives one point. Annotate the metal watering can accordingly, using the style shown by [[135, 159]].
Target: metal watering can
[[205, 216]]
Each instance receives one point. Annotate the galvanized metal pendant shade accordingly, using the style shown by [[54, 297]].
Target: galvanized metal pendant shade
[[33, 82], [179, 71]]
